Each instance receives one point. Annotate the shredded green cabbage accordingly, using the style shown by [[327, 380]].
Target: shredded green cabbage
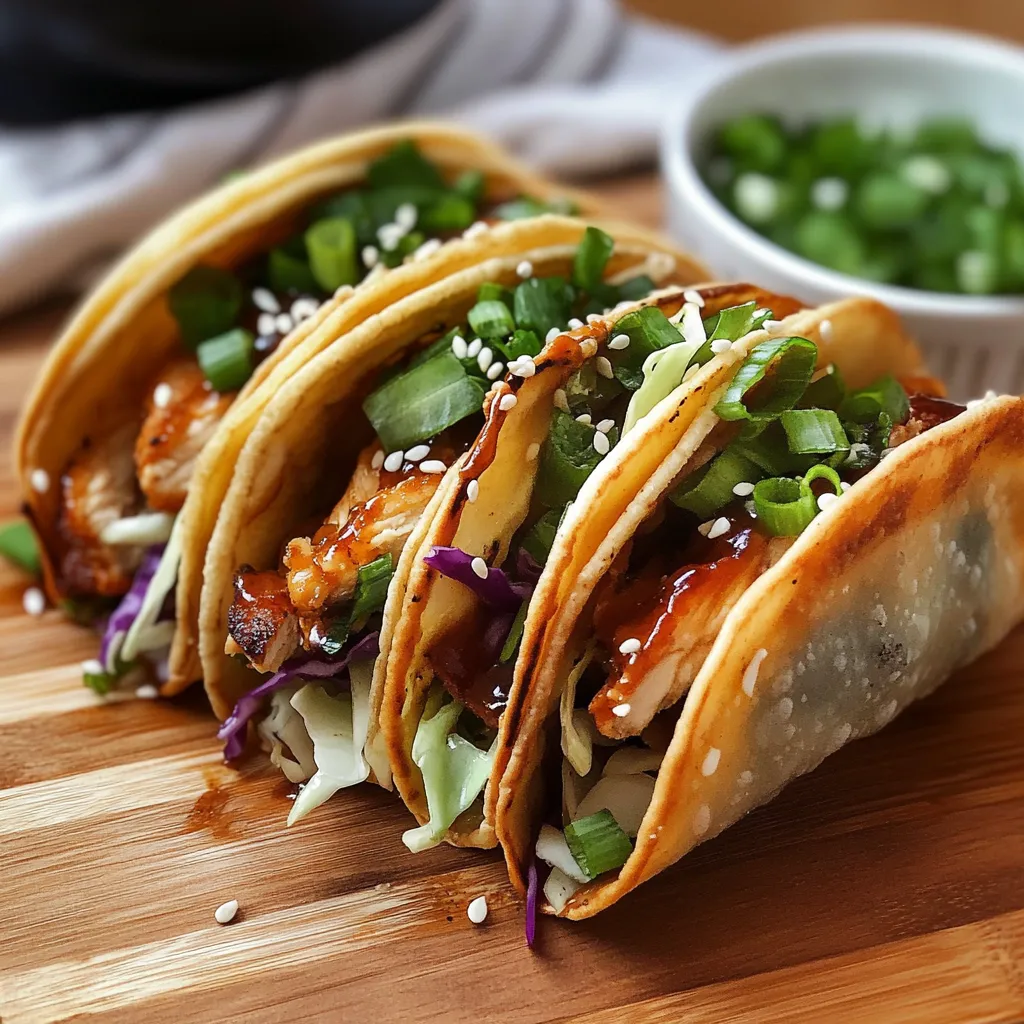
[[146, 633], [663, 372], [576, 742]]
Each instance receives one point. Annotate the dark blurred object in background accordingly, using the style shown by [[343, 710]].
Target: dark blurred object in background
[[67, 59]]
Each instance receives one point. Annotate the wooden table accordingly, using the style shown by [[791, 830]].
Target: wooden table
[[887, 886]]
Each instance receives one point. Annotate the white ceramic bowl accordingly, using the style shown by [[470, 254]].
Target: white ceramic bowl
[[886, 76]]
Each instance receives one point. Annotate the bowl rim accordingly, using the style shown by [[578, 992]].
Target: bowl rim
[[679, 165]]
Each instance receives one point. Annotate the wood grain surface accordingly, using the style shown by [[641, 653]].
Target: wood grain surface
[[887, 886]]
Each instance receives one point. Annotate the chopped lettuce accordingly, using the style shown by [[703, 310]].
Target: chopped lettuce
[[663, 372], [454, 772], [283, 729], [147, 632]]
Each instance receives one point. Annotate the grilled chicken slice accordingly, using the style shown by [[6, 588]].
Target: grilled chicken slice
[[182, 412], [659, 626], [262, 623], [98, 487]]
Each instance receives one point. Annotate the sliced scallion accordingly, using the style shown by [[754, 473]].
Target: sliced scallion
[[205, 302], [449, 212], [372, 581], [823, 472], [331, 245], [541, 303], [827, 392], [597, 843], [491, 319], [591, 257], [768, 450], [772, 379], [648, 330], [541, 535], [784, 506], [227, 360], [885, 395], [289, 273], [814, 432], [470, 185], [18, 545], [515, 634], [567, 458], [522, 343], [492, 290], [403, 166], [635, 288], [332, 642], [711, 488]]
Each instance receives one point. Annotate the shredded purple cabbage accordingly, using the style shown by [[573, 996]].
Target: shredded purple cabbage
[[233, 729], [497, 589], [531, 902], [124, 614]]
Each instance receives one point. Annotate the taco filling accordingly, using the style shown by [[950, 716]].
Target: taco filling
[[319, 613], [121, 492], [790, 441]]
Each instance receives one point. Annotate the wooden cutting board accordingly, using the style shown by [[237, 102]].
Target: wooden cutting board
[[887, 886]]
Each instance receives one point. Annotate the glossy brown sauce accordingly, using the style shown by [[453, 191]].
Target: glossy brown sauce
[[930, 411]]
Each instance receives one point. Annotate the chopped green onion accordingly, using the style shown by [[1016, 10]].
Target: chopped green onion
[[289, 273], [730, 324], [885, 395], [522, 343], [331, 245], [527, 206], [784, 506], [404, 166], [591, 257], [648, 330], [827, 392], [333, 641], [597, 843], [768, 450], [205, 302], [814, 432], [567, 458], [421, 402], [101, 683], [450, 212], [710, 488], [635, 288], [357, 206], [515, 634], [372, 583], [437, 348], [823, 472], [491, 319], [470, 185], [771, 380], [541, 303], [541, 535], [868, 441], [227, 360], [18, 545], [492, 290]]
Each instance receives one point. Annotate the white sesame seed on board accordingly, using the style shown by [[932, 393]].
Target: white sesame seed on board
[[743, 489], [479, 567], [484, 359], [266, 300], [476, 229], [283, 323], [604, 367], [826, 499], [619, 342], [370, 256], [474, 347], [720, 345], [691, 295], [532, 452], [605, 425], [432, 466], [266, 324], [584, 418], [524, 270], [473, 490], [477, 910], [507, 402], [825, 330], [393, 463], [718, 528], [147, 691], [495, 370], [303, 309], [630, 646], [621, 710], [226, 912], [378, 459], [560, 400], [417, 452], [551, 335], [33, 601], [405, 216], [427, 249], [459, 347], [575, 324], [40, 480]]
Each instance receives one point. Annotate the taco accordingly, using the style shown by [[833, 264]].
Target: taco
[[348, 466], [172, 350], [793, 546]]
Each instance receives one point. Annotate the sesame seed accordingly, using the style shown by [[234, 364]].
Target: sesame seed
[[432, 466], [604, 367], [162, 395], [584, 417], [266, 300], [702, 820], [477, 911], [630, 646], [601, 443], [826, 499], [621, 710], [495, 370], [473, 349], [484, 359], [763, 311], [479, 567], [417, 452], [532, 452], [691, 295], [561, 400], [575, 324], [378, 459], [692, 327], [40, 481], [718, 528], [393, 463], [720, 345], [592, 318], [705, 528], [303, 309], [225, 913], [427, 249], [370, 256], [507, 402], [476, 229], [751, 671], [605, 425], [524, 366], [283, 323], [844, 486], [551, 335], [692, 371], [459, 347], [266, 324], [769, 324], [825, 330], [743, 489], [405, 216], [33, 601], [92, 667], [389, 235], [147, 691], [473, 490], [711, 759], [525, 269], [588, 346], [619, 342]]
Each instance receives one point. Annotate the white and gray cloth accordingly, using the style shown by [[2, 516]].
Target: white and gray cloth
[[575, 87]]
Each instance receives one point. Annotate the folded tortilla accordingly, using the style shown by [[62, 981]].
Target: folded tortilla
[[313, 445], [913, 571], [107, 379]]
